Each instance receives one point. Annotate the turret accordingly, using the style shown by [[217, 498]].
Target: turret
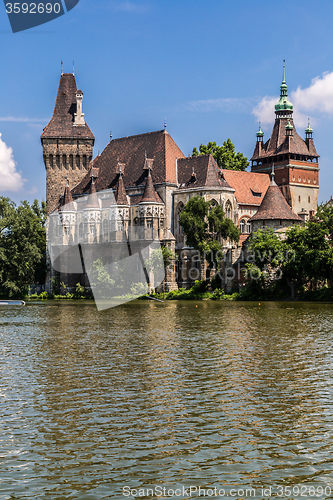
[[67, 142]]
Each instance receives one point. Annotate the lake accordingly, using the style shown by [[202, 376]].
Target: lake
[[217, 395]]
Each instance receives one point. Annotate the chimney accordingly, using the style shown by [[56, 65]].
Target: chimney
[[79, 116]]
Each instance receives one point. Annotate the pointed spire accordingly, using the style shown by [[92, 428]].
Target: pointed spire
[[273, 183], [150, 195], [165, 124], [73, 69], [62, 68], [284, 104], [121, 197], [67, 203], [260, 133], [110, 135], [92, 201], [308, 130]]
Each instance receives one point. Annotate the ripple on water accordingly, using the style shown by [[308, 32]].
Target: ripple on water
[[227, 395]]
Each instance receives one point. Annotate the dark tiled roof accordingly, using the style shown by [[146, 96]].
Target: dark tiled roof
[[62, 121], [92, 201], [279, 143], [150, 195], [120, 195], [274, 206], [200, 171], [131, 151], [67, 203], [247, 186]]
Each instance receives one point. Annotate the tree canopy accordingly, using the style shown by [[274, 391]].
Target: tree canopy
[[205, 225], [225, 155], [304, 257], [22, 246]]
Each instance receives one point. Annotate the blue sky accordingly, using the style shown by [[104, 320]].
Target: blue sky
[[204, 65]]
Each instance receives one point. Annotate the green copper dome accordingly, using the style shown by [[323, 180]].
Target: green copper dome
[[289, 126], [308, 130], [260, 132], [284, 103]]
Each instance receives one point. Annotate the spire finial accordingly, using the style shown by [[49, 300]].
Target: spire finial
[[62, 68], [165, 124], [284, 71], [309, 122], [73, 69], [110, 135], [273, 183]]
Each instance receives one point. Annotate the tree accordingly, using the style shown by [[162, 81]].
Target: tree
[[225, 155], [22, 246], [304, 258], [205, 225]]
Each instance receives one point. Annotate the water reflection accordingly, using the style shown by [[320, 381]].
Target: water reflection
[[220, 394]]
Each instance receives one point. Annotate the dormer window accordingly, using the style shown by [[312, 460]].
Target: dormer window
[[257, 194]]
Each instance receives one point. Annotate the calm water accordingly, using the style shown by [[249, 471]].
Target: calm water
[[225, 395]]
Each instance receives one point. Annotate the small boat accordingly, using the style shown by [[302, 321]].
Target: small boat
[[12, 303]]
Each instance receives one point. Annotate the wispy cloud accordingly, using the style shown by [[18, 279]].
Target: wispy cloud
[[225, 104], [11, 179], [313, 100], [130, 7], [21, 119]]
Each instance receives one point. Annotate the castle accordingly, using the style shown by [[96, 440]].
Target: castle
[[144, 181]]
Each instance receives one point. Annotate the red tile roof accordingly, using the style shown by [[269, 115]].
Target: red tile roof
[[274, 206], [62, 121], [247, 185], [131, 151]]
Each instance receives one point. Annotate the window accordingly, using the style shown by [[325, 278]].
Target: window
[[309, 199], [150, 223], [228, 210], [299, 199], [257, 194], [81, 230], [245, 226], [66, 230], [105, 227]]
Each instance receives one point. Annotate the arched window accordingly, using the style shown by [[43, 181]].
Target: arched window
[[81, 230], [245, 226], [179, 209], [228, 210]]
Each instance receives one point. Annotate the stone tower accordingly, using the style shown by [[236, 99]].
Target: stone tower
[[295, 160], [67, 142]]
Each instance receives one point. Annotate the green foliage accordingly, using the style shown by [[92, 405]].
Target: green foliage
[[225, 155], [205, 226], [304, 258], [22, 246], [199, 291], [160, 258]]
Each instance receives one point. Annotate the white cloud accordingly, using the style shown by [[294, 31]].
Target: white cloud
[[11, 180], [312, 100], [21, 119], [226, 104]]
